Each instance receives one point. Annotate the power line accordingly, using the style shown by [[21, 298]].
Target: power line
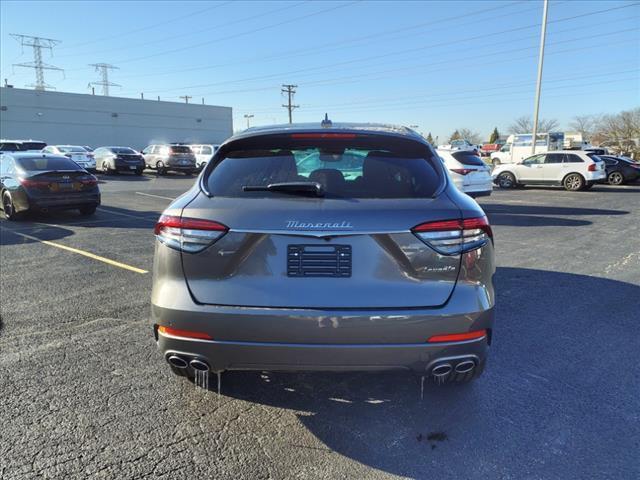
[[104, 82], [404, 51], [240, 34], [290, 90], [172, 21], [37, 43]]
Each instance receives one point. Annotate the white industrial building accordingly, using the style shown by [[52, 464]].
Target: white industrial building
[[79, 119]]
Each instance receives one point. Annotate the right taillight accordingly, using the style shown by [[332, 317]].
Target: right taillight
[[452, 237], [190, 235]]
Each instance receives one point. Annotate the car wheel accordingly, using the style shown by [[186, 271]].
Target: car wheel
[[7, 206], [139, 171], [615, 178], [105, 168], [160, 168], [573, 182], [506, 180], [87, 210]]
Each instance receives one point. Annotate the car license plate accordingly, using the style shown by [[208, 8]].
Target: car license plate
[[132, 167]]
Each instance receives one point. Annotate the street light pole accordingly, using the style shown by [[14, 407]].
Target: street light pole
[[248, 117], [543, 34]]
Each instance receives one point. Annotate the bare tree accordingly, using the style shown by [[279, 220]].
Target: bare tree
[[585, 125], [465, 134], [621, 131], [524, 124]]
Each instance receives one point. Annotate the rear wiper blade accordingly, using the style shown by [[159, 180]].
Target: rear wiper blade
[[288, 187]]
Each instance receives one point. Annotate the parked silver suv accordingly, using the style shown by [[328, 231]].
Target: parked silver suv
[[340, 247], [174, 157]]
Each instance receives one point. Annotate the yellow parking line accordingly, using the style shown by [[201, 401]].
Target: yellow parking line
[[86, 254]]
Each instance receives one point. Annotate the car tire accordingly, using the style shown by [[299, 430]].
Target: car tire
[[88, 210], [106, 169], [615, 178], [139, 171], [161, 169], [573, 182], [7, 207], [507, 180]]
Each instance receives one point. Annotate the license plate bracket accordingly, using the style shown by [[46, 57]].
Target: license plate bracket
[[319, 260]]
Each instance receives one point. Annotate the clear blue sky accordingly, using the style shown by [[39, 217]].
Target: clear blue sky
[[438, 65]]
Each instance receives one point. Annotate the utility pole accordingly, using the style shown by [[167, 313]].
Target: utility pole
[[290, 90], [104, 68], [249, 117], [186, 98], [37, 43], [543, 34]]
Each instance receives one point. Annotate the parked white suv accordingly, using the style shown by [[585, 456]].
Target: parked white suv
[[573, 169], [203, 153], [78, 154], [468, 172]]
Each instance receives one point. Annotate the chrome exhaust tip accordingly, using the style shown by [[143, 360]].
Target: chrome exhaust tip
[[199, 365], [177, 362], [441, 371], [465, 366]]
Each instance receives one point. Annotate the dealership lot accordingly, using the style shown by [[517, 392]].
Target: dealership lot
[[87, 394]]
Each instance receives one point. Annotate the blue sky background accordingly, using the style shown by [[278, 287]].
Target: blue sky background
[[438, 65]]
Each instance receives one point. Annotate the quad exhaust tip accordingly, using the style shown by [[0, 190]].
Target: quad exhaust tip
[[441, 371], [177, 361], [465, 366], [199, 365]]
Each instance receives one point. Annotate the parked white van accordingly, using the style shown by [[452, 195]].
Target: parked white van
[[518, 147], [203, 153]]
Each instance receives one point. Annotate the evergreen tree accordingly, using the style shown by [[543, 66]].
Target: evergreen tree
[[454, 136], [430, 138], [495, 135]]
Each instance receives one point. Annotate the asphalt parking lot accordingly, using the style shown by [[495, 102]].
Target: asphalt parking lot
[[85, 394]]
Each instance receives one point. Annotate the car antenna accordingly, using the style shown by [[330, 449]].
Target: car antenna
[[326, 122]]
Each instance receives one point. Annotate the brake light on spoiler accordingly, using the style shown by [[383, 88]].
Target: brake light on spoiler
[[453, 237], [189, 235]]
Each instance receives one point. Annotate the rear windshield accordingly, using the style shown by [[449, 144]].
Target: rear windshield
[[467, 158], [124, 150], [10, 147], [180, 149], [353, 168], [32, 145], [48, 163], [69, 149]]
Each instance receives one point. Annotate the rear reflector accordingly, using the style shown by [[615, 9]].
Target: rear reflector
[[457, 337], [345, 136], [184, 333], [452, 237], [188, 234]]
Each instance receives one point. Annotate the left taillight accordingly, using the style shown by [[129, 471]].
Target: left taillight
[[29, 183], [89, 180], [452, 237], [190, 235]]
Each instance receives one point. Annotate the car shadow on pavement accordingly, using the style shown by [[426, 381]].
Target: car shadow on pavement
[[123, 177], [555, 386], [541, 216], [51, 226]]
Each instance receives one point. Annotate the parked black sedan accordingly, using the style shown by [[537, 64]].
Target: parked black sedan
[[620, 169], [43, 182], [118, 159]]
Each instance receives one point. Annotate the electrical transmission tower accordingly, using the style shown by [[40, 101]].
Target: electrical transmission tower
[[37, 43], [104, 68], [290, 90]]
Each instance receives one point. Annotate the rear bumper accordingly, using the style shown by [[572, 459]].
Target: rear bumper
[[64, 202], [227, 355]]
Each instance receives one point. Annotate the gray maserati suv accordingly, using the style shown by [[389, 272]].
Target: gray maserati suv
[[324, 247]]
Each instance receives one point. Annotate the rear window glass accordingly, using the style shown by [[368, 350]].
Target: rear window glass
[[206, 150], [467, 158], [122, 150], [387, 169], [10, 147], [180, 149], [45, 164], [33, 145], [594, 157], [67, 149]]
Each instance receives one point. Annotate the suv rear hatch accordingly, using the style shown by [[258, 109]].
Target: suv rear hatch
[[345, 243]]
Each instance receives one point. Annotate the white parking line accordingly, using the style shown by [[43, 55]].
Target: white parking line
[[156, 196], [128, 215]]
